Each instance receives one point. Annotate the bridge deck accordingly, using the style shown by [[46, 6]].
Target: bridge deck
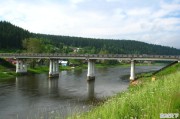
[[90, 56]]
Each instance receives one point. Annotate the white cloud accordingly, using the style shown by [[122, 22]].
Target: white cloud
[[112, 0], [152, 24], [139, 12], [76, 1]]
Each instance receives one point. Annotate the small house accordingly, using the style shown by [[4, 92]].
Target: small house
[[63, 63]]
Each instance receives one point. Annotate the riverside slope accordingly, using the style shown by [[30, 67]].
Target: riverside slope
[[146, 100]]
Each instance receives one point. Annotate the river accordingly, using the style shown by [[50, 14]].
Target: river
[[37, 96]]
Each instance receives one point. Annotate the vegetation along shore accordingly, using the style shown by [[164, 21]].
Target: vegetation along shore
[[147, 98]]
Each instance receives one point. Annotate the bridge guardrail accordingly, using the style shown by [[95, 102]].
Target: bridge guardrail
[[86, 56]]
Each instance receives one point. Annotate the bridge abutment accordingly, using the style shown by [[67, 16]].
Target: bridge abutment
[[132, 71], [21, 66], [53, 68], [91, 78]]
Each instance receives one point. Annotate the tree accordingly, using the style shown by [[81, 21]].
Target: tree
[[11, 36], [33, 45]]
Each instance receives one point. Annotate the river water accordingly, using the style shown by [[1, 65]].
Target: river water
[[37, 96]]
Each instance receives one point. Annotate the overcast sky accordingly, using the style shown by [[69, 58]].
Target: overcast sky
[[151, 21]]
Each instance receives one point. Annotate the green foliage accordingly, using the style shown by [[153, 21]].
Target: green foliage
[[33, 45], [76, 62], [65, 68], [112, 62], [6, 70], [6, 64], [39, 69], [144, 101], [111, 46], [11, 37], [172, 69], [5, 73]]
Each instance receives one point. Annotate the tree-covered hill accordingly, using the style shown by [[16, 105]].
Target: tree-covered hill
[[112, 46], [12, 36]]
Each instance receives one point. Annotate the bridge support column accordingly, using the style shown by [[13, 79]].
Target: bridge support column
[[53, 68], [57, 67], [21, 66], [132, 72], [91, 78]]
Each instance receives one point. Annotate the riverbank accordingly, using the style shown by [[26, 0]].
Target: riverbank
[[6, 73], [43, 69], [6, 70], [148, 99]]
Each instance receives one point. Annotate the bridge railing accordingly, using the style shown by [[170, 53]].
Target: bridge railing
[[88, 55]]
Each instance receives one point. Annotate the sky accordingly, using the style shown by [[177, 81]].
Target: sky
[[151, 21]]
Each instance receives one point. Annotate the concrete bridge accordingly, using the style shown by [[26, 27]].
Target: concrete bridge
[[21, 66]]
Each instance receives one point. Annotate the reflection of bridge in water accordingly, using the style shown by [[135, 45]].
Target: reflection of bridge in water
[[21, 65]]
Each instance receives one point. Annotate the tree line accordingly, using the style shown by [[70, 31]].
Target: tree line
[[15, 37], [11, 36]]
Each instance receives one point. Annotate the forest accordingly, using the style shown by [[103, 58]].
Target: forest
[[19, 39]]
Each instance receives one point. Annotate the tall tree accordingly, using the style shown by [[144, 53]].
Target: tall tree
[[33, 45]]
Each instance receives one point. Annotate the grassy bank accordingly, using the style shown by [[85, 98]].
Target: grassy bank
[[144, 101], [6, 73], [7, 70], [38, 69], [127, 65], [41, 69]]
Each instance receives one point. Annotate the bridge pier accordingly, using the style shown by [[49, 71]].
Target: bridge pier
[[21, 66], [132, 71], [91, 78], [53, 68]]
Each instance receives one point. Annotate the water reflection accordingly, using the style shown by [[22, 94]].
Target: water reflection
[[53, 83], [36, 95], [78, 73], [53, 89], [63, 73], [90, 87]]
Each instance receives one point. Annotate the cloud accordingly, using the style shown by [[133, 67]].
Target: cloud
[[76, 1], [149, 21]]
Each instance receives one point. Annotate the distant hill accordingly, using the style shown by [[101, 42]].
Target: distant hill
[[113, 46], [11, 36]]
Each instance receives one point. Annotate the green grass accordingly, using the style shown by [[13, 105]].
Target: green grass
[[39, 69], [127, 65], [5, 73], [65, 68], [111, 65], [144, 101], [172, 69]]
